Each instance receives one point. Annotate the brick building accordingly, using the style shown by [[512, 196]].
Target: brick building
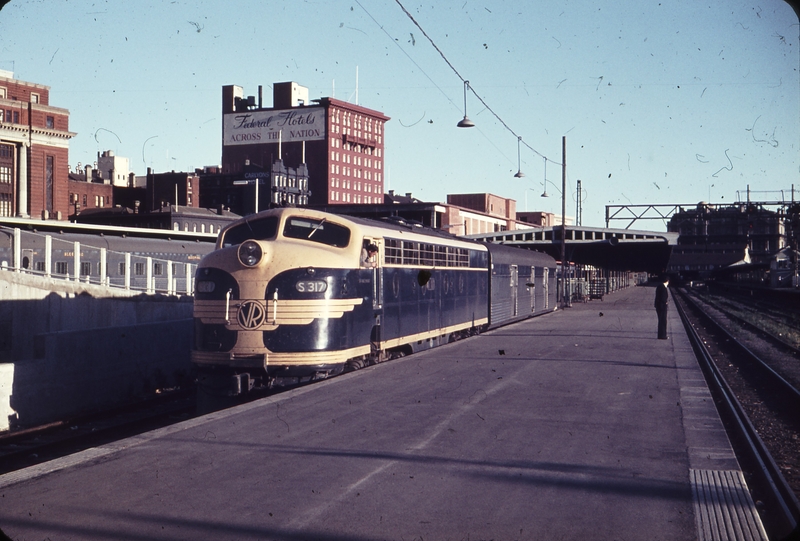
[[341, 144], [34, 151], [474, 213], [88, 194], [173, 188], [716, 236]]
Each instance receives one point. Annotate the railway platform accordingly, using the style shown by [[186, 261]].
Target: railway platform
[[579, 424]]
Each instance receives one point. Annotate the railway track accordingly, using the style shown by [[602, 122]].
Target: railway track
[[759, 407], [27, 447], [23, 448], [780, 323]]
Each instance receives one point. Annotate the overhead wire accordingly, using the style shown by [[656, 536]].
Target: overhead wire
[[393, 40], [469, 86]]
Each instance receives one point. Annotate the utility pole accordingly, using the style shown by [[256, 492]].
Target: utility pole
[[564, 218]]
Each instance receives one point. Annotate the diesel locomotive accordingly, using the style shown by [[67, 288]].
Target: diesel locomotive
[[292, 295]]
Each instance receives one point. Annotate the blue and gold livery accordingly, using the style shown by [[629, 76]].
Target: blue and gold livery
[[293, 295]]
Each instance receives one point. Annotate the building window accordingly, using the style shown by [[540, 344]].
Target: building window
[[34, 97], [48, 179], [3, 92], [50, 122], [5, 205]]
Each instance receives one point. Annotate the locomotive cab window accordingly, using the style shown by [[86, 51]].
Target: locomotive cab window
[[261, 229], [321, 231]]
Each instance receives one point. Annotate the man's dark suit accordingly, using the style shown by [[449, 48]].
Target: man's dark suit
[[661, 304]]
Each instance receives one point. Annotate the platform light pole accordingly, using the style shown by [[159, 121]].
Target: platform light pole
[[564, 219]]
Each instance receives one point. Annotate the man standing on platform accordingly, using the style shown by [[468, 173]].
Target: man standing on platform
[[661, 304]]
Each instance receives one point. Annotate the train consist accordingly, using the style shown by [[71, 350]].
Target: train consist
[[294, 295], [158, 252]]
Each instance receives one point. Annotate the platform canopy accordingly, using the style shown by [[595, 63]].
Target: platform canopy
[[612, 249]]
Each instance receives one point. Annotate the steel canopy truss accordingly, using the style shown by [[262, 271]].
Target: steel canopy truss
[[665, 212], [641, 212]]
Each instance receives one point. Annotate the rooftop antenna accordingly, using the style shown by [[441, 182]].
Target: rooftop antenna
[[356, 85]]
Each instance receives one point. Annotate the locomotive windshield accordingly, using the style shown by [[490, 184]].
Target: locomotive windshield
[[321, 231], [260, 229]]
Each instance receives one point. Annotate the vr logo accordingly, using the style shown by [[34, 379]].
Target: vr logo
[[251, 315]]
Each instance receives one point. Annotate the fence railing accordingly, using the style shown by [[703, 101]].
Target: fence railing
[[136, 270]]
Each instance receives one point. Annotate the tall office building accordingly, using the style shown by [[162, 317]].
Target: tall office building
[[341, 144]]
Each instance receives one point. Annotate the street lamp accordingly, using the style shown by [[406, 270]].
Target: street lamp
[[563, 192], [544, 193], [465, 122], [519, 174]]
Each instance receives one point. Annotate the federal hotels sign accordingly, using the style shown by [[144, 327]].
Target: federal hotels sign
[[289, 125]]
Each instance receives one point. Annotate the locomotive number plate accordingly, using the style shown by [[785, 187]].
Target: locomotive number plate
[[311, 286]]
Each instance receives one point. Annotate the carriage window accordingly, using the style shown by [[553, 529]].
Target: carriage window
[[399, 252], [426, 254], [260, 229], [393, 255], [321, 231], [410, 253], [441, 256]]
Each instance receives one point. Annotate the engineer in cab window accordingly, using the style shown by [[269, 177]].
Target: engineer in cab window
[[369, 255]]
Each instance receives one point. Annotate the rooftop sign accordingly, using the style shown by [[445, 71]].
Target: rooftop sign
[[288, 125]]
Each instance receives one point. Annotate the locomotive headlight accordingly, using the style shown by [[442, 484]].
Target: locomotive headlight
[[250, 253]]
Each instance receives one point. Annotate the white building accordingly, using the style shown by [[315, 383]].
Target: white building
[[115, 169]]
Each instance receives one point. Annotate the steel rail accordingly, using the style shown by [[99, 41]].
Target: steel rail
[[785, 385], [766, 470], [776, 340]]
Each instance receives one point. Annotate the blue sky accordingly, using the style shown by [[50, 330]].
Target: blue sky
[[661, 102]]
